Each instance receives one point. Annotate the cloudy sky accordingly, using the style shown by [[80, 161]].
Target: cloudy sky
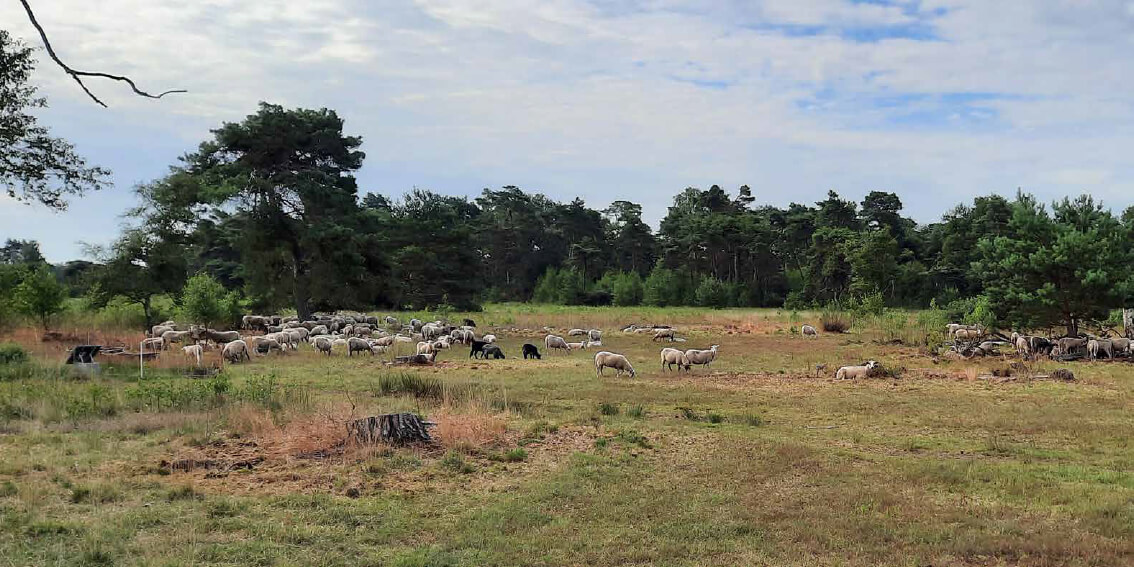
[[936, 100]]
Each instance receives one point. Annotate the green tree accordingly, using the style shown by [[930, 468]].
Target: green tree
[[204, 301], [35, 166], [1064, 268], [39, 294], [138, 267], [287, 175], [661, 287], [627, 289]]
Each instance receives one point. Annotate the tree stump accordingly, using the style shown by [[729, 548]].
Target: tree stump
[[392, 428], [1063, 374], [1128, 322]]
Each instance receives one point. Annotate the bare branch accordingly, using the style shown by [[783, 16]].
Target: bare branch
[[76, 74]]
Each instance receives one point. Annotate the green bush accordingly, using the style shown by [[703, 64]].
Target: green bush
[[711, 292], [608, 409], [11, 353]]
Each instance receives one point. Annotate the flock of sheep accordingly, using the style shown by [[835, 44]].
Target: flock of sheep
[[358, 333], [1030, 346]]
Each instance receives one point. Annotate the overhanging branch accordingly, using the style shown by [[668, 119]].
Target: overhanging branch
[[76, 74]]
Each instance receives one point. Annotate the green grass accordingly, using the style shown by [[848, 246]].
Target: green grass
[[733, 465]]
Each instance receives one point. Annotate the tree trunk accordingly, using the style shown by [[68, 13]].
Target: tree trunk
[[1128, 322], [148, 314], [302, 289], [395, 428], [1072, 326]]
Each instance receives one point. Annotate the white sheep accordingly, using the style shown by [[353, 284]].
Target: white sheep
[[193, 352], [618, 362], [576, 332], [235, 351], [157, 330], [170, 337], [355, 344], [489, 338], [852, 372], [425, 347], [155, 343], [323, 344], [664, 334], [968, 334], [384, 341], [594, 335], [556, 342], [577, 346], [705, 357], [671, 356], [809, 331]]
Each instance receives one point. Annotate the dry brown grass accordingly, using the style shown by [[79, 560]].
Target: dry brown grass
[[471, 427]]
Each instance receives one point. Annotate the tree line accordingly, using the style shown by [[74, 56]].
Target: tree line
[[270, 209]]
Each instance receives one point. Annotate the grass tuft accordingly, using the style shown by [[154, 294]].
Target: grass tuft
[[608, 409]]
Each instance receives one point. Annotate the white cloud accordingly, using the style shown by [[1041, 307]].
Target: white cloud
[[636, 99]]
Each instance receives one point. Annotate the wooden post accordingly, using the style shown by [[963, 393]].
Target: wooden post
[[1128, 322]]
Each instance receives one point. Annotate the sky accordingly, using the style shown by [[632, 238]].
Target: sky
[[935, 100]]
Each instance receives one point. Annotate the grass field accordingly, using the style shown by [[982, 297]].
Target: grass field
[[755, 461]]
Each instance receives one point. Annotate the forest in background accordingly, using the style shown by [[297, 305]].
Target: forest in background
[[270, 210]]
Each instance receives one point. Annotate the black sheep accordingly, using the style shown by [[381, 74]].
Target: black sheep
[[469, 323], [493, 351], [530, 351], [477, 349]]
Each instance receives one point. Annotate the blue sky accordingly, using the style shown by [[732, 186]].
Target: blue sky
[[936, 100]]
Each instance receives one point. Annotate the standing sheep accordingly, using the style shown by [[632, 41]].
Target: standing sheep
[[671, 356], [594, 335], [664, 334], [493, 351], [556, 342], [323, 345], [236, 351], [531, 351], [193, 352], [618, 362], [355, 344], [705, 357], [425, 347]]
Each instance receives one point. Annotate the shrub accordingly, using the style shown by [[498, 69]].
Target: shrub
[[661, 287], [516, 455], [637, 411], [11, 353], [835, 320], [796, 301], [711, 292], [714, 418], [627, 289], [408, 383], [869, 304], [608, 409]]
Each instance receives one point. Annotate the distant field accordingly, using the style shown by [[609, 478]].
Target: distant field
[[758, 460]]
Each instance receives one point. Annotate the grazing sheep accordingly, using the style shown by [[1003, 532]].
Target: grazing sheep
[[469, 323], [1069, 345], [363, 331], [576, 333], [809, 331], [416, 325], [705, 357], [664, 334], [425, 347], [618, 362], [219, 337], [1094, 346], [355, 344], [236, 351], [430, 331], [193, 352], [384, 341], [671, 356], [154, 343], [968, 334], [170, 337], [1121, 345], [493, 351], [594, 335], [852, 372], [531, 351], [1023, 346], [319, 330], [476, 349], [392, 321], [264, 346], [158, 330], [489, 338], [323, 344], [300, 334], [556, 342], [441, 344], [952, 329]]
